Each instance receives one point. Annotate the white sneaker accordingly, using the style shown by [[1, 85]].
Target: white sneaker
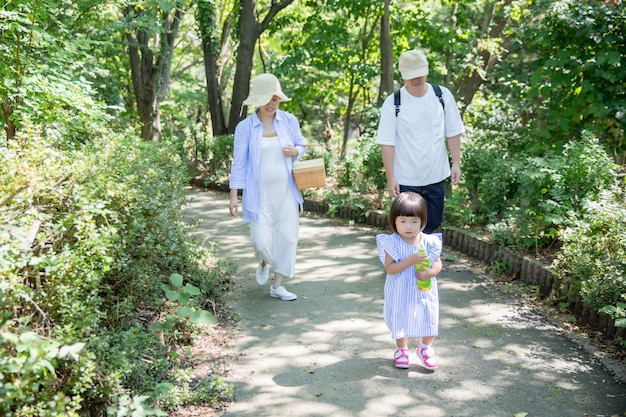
[[262, 274], [282, 293]]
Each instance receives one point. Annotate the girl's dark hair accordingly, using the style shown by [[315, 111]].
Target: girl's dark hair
[[408, 204]]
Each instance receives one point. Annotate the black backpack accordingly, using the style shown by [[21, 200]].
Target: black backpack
[[436, 88]]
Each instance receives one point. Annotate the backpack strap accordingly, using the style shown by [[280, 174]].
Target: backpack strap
[[436, 89], [396, 101], [439, 95]]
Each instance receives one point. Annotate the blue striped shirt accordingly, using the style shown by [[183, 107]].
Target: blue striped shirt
[[244, 173]]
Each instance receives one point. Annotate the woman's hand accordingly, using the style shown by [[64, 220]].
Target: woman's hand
[[289, 150], [233, 205]]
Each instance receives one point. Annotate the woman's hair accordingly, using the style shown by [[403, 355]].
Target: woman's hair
[[408, 204]]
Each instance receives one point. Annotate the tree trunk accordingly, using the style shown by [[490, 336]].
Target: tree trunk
[[493, 29], [7, 109], [368, 33], [249, 31], [151, 77], [347, 128], [142, 77], [386, 57], [207, 25]]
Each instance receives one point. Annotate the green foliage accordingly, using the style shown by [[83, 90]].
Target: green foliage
[[593, 257], [184, 390], [527, 200], [219, 156], [362, 170], [33, 369], [182, 295], [618, 312], [35, 84], [134, 406], [458, 209], [569, 77], [89, 235], [491, 179]]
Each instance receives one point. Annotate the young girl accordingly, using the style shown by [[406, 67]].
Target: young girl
[[411, 258]]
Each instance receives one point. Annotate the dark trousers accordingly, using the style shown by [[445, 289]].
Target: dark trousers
[[434, 195]]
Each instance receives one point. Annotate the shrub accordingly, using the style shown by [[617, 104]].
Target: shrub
[[89, 233], [529, 197], [592, 260]]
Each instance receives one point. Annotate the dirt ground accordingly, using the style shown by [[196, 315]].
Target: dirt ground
[[502, 352]]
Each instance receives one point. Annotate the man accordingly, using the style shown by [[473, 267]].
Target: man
[[413, 138]]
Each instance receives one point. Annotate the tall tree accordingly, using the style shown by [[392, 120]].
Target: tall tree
[[150, 35], [386, 57], [215, 48], [249, 31], [492, 46], [41, 59]]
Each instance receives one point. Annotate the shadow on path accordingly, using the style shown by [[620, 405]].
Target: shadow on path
[[329, 352]]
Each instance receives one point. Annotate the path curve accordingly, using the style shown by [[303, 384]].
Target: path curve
[[329, 353]]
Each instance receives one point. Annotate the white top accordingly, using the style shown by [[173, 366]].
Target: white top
[[419, 135]]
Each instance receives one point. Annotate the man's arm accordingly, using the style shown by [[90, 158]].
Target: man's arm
[[388, 154], [454, 145]]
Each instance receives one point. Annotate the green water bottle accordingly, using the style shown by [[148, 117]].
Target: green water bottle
[[423, 285]]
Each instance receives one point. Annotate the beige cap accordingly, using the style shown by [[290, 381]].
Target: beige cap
[[264, 87], [413, 64]]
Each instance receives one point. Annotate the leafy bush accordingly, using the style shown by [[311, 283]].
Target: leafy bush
[[592, 260], [219, 157], [525, 200], [88, 236]]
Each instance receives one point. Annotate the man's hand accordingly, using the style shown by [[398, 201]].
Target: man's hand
[[455, 174], [393, 188]]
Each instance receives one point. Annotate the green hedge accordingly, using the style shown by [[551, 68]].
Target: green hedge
[[89, 236]]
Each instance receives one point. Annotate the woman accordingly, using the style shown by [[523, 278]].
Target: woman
[[266, 144]]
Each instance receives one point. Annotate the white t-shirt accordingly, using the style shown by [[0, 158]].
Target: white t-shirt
[[419, 135]]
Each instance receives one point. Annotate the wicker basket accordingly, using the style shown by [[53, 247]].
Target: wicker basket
[[309, 173]]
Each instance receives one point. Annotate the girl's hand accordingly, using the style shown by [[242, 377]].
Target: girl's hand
[[418, 257], [433, 271]]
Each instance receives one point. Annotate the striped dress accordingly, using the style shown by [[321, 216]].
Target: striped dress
[[409, 312]]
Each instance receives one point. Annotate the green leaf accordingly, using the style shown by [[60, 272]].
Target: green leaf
[[620, 322], [168, 324], [191, 289], [184, 311], [176, 280], [172, 295], [71, 350], [203, 317]]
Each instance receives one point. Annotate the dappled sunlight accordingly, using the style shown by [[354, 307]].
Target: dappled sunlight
[[348, 325], [329, 353], [456, 286], [392, 404], [469, 389]]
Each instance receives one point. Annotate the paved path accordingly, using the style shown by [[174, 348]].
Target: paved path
[[329, 353]]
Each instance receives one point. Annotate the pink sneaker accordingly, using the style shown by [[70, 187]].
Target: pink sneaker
[[401, 357], [427, 356]]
